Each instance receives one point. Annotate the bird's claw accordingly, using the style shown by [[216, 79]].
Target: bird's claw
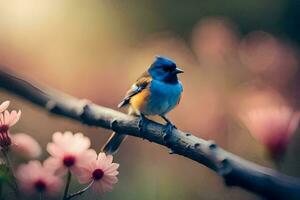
[[169, 127], [142, 123], [174, 127]]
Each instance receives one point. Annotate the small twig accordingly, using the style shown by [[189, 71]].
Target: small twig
[[67, 185], [80, 192]]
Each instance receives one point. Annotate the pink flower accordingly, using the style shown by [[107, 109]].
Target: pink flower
[[26, 146], [36, 178], [99, 169], [67, 151], [4, 106], [272, 126], [7, 120]]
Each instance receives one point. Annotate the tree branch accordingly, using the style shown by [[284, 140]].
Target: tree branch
[[235, 171]]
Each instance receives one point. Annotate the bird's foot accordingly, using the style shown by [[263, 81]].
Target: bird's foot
[[169, 127], [142, 123]]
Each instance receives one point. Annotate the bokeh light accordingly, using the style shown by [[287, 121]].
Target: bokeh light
[[237, 57]]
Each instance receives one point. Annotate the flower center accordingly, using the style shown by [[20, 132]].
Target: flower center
[[4, 128], [98, 174], [5, 140], [40, 185], [69, 161]]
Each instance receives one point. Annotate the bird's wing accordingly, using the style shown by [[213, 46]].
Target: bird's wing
[[141, 83], [179, 99]]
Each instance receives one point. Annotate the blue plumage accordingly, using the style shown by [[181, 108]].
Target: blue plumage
[[164, 69], [165, 88], [156, 92], [163, 97]]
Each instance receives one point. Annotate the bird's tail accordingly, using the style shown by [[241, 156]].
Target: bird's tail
[[113, 143]]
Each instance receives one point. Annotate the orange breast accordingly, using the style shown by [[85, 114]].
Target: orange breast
[[139, 101]]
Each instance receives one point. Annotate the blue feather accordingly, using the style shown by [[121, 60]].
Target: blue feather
[[164, 97]]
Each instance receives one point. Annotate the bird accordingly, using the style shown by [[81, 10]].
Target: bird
[[155, 93]]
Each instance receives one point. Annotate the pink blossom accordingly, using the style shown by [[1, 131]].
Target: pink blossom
[[4, 106], [67, 151], [272, 126], [26, 146], [7, 120], [36, 178], [99, 169]]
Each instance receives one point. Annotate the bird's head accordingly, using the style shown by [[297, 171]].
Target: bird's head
[[164, 69]]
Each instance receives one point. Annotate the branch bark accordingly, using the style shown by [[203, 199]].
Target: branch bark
[[235, 171]]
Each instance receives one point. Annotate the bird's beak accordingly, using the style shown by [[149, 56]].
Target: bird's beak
[[178, 71]]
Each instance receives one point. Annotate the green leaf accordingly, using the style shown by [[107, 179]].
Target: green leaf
[[5, 176]]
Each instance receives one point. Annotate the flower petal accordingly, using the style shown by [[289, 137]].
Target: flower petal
[[54, 150], [97, 187], [53, 164], [110, 179], [14, 117], [294, 122], [4, 106], [28, 174], [25, 145], [83, 175], [6, 117]]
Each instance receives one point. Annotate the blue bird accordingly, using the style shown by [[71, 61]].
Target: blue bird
[[156, 92]]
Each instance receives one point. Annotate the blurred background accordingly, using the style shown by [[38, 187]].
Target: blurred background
[[241, 80]]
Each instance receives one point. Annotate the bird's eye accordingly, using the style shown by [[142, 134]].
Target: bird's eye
[[167, 69]]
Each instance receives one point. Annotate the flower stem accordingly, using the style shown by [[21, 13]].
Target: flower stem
[[1, 191], [67, 185], [80, 192], [10, 170]]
